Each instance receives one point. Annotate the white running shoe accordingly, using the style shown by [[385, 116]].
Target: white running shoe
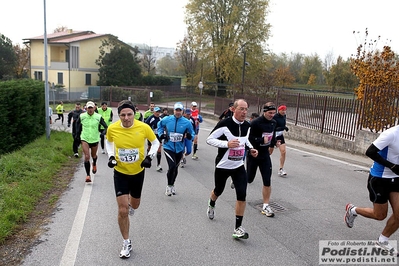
[[159, 168], [210, 211], [268, 211], [182, 164], [184, 160], [126, 248], [349, 216], [232, 185], [386, 246], [240, 233], [195, 157], [103, 152], [76, 155], [131, 210], [168, 191], [281, 172], [173, 190]]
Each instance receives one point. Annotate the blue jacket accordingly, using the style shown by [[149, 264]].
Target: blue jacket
[[175, 129]]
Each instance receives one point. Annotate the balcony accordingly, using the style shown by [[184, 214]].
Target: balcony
[[58, 65]]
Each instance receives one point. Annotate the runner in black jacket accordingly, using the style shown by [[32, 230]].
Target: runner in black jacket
[[230, 136], [73, 117], [262, 137]]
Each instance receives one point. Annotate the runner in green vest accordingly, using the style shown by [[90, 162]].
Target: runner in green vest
[[87, 130], [107, 115]]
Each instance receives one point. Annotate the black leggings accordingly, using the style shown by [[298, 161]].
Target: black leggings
[[239, 177], [173, 160], [265, 168]]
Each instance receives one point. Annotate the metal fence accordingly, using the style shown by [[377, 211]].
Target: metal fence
[[337, 116]]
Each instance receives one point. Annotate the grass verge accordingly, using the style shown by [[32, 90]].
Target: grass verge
[[27, 177]]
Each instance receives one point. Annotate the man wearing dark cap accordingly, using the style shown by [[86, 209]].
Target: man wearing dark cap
[[127, 156], [262, 136], [227, 113], [107, 115]]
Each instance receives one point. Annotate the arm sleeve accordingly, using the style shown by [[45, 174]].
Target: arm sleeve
[[154, 148], [373, 153], [214, 141], [110, 146]]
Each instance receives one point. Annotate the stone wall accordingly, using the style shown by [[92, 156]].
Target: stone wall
[[363, 139]]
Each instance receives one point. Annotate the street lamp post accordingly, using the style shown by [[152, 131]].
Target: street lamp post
[[200, 86], [243, 72]]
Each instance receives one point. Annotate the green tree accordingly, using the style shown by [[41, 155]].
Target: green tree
[[221, 29], [312, 65], [148, 60], [8, 59], [188, 59], [168, 66], [118, 64]]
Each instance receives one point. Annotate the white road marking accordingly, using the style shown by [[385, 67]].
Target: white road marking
[[71, 248]]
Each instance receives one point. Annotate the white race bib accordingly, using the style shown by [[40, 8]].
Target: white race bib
[[128, 155], [175, 137]]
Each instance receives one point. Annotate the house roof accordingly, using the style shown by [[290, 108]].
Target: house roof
[[67, 36]]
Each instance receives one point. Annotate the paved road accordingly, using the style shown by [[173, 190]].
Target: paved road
[[309, 206]]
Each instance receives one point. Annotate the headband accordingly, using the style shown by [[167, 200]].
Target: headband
[[269, 108], [126, 105], [282, 107]]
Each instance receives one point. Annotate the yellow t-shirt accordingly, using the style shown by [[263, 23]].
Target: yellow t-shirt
[[129, 145]]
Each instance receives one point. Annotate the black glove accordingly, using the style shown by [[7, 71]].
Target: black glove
[[112, 162], [286, 129], [188, 136], [147, 162], [395, 169], [164, 137]]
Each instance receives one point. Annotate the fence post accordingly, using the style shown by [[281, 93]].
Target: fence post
[[297, 108], [324, 114]]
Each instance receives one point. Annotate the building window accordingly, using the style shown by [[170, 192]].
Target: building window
[[38, 75], [88, 79], [60, 77]]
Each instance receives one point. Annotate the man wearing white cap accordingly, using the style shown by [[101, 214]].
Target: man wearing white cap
[[87, 131], [172, 129]]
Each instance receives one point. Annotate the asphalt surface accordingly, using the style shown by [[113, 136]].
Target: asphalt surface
[[309, 204]]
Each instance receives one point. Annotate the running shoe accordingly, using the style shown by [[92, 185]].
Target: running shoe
[[211, 211], [240, 233], [195, 157], [88, 180], [268, 211], [159, 168], [281, 172], [94, 169], [126, 248], [168, 191], [131, 210], [182, 164], [173, 190], [103, 152], [76, 155], [386, 246], [184, 160], [232, 185], [349, 216]]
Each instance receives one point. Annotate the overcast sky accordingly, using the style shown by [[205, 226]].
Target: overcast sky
[[299, 26]]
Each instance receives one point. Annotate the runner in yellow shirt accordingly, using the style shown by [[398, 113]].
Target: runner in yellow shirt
[[125, 144]]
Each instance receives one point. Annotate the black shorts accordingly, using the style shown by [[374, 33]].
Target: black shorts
[[281, 139], [128, 184], [379, 188], [91, 145]]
